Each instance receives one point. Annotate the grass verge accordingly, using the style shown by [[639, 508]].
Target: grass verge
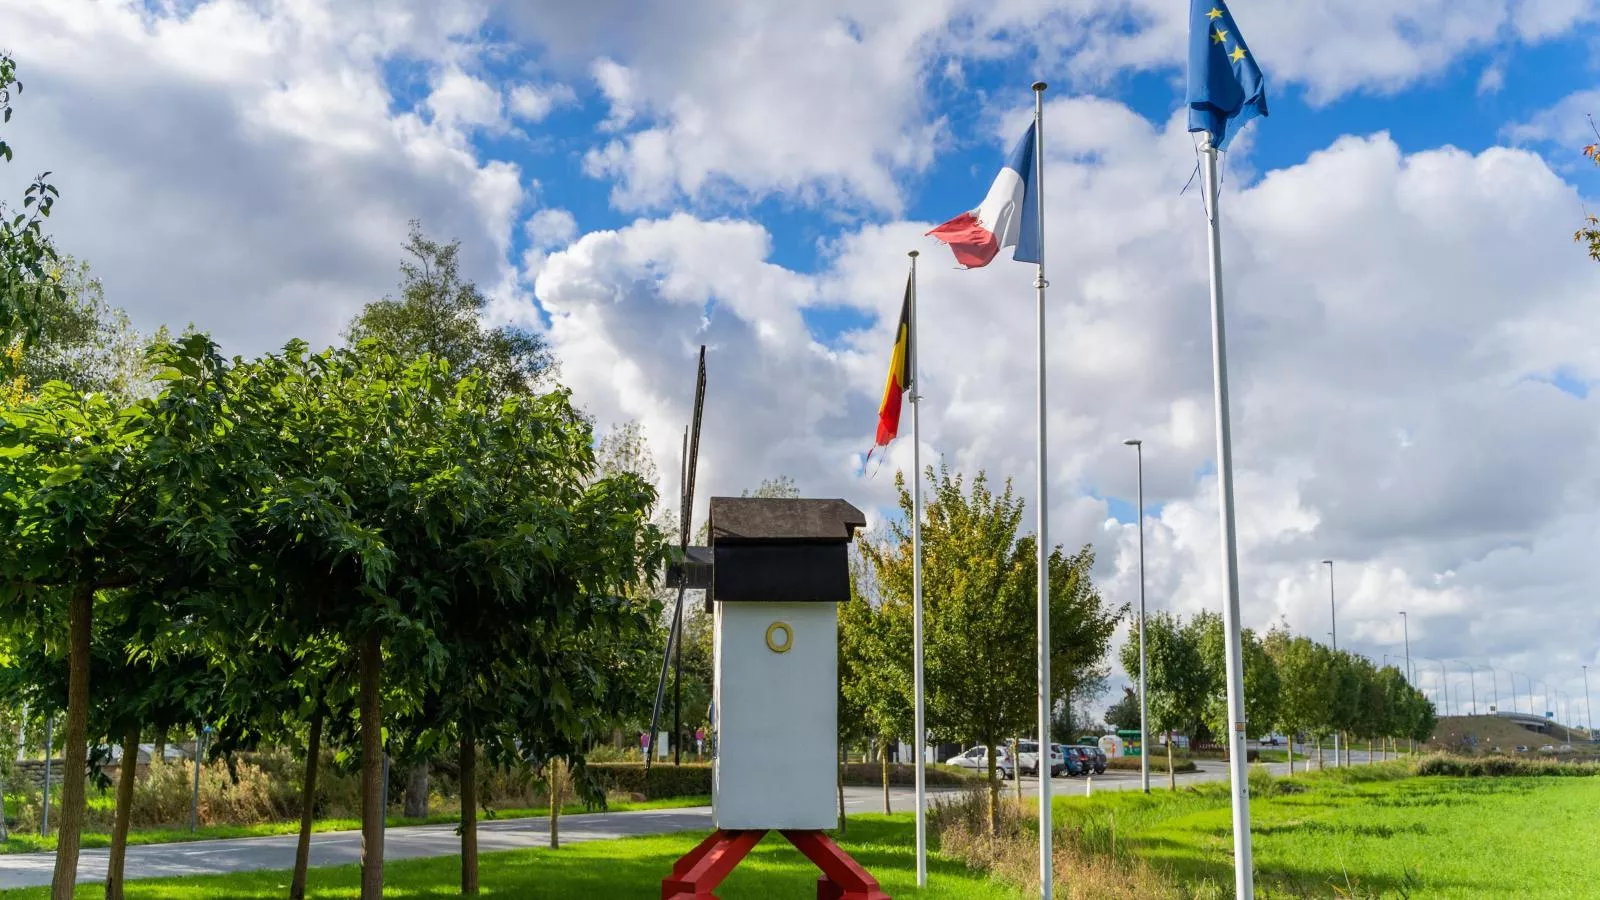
[[629, 867], [33, 842]]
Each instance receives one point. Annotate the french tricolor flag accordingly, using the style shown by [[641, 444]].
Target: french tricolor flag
[[1008, 217]]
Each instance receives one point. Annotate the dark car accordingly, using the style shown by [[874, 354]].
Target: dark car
[[1071, 765], [1097, 756], [1084, 759]]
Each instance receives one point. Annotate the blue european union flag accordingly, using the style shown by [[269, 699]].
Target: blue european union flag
[[1226, 89]]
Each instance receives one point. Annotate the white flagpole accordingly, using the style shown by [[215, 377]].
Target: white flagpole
[[1046, 867], [920, 736], [1238, 772]]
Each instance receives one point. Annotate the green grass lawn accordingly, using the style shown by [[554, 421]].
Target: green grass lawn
[[630, 867], [32, 842], [1412, 837]]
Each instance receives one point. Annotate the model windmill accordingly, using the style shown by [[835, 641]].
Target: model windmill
[[775, 574]]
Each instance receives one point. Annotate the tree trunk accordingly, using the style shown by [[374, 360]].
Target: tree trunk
[[119, 827], [883, 755], [842, 758], [75, 758], [555, 804], [1319, 753], [1291, 756], [1172, 774], [994, 792], [417, 792], [1016, 762], [469, 813], [308, 809], [160, 751], [372, 811]]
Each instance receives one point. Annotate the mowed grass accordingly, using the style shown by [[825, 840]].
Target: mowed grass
[[628, 867], [1345, 836], [32, 842]]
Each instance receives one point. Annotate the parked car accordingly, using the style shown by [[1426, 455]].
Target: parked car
[[1070, 764], [1097, 757], [977, 759], [1085, 761]]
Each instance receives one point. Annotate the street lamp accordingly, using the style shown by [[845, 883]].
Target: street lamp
[[1144, 729], [1333, 637], [1588, 708], [1405, 625]]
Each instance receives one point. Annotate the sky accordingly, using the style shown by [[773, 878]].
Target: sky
[[1408, 316]]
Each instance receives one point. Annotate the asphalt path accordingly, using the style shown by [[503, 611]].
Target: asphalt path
[[333, 848]]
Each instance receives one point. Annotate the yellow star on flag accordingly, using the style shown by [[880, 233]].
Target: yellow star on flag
[[1219, 36], [1214, 14], [1237, 54]]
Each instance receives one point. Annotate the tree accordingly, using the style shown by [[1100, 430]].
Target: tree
[[875, 669], [439, 315], [95, 496], [1178, 683], [84, 341], [1123, 715], [1261, 684], [979, 610], [29, 277], [1305, 697]]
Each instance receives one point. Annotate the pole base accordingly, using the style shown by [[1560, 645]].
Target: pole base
[[699, 871]]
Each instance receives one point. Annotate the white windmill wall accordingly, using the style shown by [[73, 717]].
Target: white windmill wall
[[777, 717]]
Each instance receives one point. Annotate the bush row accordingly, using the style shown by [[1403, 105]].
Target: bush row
[[1158, 763], [1499, 766], [871, 775], [664, 780]]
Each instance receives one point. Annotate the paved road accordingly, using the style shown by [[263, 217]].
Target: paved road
[[341, 847]]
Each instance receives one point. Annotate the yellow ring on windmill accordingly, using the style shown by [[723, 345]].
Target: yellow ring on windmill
[[788, 637]]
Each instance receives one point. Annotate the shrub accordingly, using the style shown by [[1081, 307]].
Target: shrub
[[1157, 764], [1449, 765], [688, 780], [871, 775]]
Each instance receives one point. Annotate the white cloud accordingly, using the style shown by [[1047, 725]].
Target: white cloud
[[240, 167], [532, 103], [461, 99], [1493, 79], [1567, 122]]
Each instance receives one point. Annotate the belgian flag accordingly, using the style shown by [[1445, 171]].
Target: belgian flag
[[899, 377]]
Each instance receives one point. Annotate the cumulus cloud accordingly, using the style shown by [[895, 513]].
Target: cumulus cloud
[[254, 154]]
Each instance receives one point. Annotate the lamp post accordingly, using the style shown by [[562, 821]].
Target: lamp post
[[1333, 638], [1472, 675], [1144, 728], [1405, 626], [1588, 709]]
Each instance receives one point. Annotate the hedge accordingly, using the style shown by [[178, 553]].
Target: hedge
[[871, 775], [665, 779], [1157, 764], [1498, 766]]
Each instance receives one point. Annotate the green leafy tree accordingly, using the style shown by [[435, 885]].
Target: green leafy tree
[[875, 669], [1261, 681], [96, 495], [86, 342], [979, 607], [439, 314], [1306, 685], [1123, 715], [29, 264], [1178, 682]]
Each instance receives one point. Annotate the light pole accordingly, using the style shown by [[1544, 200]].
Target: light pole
[[1333, 638], [1405, 626], [1472, 675], [1588, 709], [1144, 730]]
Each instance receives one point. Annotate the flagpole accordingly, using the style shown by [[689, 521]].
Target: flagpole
[[920, 734], [1046, 867], [1238, 772]]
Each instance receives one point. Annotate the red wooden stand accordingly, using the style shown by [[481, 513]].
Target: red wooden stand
[[700, 870]]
